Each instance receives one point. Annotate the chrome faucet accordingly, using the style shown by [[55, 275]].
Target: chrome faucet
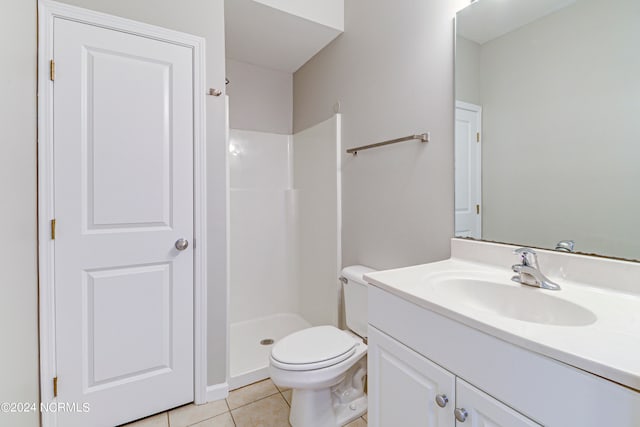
[[529, 272]]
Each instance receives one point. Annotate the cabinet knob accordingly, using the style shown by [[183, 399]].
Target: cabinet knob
[[442, 400], [461, 414]]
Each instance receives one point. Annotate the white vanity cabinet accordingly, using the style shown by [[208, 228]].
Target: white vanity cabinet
[[477, 409], [407, 389], [416, 354], [403, 386]]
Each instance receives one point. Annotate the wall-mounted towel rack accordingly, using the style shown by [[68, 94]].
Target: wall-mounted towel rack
[[423, 137]]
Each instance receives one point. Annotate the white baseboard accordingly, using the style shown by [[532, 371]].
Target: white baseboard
[[248, 378], [217, 392]]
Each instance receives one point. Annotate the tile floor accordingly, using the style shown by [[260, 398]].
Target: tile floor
[[257, 405]]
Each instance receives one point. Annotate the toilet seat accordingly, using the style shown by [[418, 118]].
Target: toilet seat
[[313, 348]]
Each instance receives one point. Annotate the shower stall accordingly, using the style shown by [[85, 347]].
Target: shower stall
[[284, 240]]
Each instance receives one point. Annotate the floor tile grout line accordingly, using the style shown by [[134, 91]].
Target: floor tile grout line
[[168, 418], [285, 399], [206, 419], [233, 419], [257, 400], [254, 401]]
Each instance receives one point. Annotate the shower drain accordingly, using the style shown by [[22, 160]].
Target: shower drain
[[266, 341]]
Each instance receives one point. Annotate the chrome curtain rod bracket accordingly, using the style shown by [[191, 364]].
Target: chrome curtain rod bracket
[[423, 137]]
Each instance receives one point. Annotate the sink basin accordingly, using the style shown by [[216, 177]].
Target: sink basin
[[525, 303]]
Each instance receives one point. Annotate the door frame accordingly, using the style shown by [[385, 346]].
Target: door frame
[[477, 109], [48, 10]]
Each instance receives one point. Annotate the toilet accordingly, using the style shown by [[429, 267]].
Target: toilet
[[326, 366]]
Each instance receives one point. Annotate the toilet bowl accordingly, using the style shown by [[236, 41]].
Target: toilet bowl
[[326, 366], [328, 389]]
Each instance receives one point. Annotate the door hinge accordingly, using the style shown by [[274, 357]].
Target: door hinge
[[55, 386], [52, 70], [478, 209], [53, 229], [477, 136]]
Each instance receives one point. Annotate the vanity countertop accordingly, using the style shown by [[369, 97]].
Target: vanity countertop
[[605, 342]]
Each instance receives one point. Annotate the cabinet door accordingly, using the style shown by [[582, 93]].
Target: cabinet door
[[403, 386], [485, 411]]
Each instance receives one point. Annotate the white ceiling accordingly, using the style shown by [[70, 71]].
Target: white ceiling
[[272, 38], [485, 20]]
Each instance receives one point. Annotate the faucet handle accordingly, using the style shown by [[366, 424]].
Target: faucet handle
[[528, 256], [565, 245]]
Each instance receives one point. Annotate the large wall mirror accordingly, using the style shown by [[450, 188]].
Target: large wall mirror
[[548, 124]]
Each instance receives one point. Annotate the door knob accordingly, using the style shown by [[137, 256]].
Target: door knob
[[461, 414], [442, 400], [182, 244]]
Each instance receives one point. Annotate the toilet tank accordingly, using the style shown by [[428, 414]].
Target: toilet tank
[[355, 298]]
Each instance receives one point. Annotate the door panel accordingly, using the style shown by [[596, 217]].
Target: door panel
[[123, 182], [120, 193], [147, 338]]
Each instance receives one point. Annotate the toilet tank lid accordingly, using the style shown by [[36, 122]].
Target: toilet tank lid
[[355, 272]]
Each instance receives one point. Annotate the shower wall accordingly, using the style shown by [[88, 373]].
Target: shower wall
[[285, 223], [262, 220], [262, 226]]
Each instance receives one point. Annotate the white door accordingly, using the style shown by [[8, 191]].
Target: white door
[[123, 142], [404, 385], [468, 176], [482, 410]]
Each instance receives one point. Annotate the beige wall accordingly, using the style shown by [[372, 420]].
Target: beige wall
[[18, 253], [392, 71], [316, 180], [260, 99], [467, 71], [560, 102]]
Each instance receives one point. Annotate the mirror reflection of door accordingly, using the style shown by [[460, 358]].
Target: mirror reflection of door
[[468, 175]]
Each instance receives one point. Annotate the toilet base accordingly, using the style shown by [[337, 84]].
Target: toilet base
[[332, 406], [315, 408], [347, 413]]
